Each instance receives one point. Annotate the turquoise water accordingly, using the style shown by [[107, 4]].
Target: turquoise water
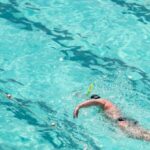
[[51, 51]]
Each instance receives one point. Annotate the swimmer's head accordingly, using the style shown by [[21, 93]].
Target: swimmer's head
[[94, 96]]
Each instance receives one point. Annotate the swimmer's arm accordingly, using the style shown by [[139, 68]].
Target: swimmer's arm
[[92, 102]]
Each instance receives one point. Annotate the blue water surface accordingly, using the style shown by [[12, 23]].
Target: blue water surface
[[51, 51]]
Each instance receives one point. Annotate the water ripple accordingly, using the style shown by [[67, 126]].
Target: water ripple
[[8, 11], [141, 12]]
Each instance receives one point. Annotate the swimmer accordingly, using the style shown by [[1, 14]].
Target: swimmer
[[127, 125]]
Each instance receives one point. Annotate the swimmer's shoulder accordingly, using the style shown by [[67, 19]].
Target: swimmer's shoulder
[[105, 101]]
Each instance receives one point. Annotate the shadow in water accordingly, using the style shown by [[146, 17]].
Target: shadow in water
[[1, 70], [10, 13], [15, 81], [45, 107], [106, 66], [3, 81], [20, 113], [30, 6], [61, 133], [13, 2], [11, 81], [141, 12]]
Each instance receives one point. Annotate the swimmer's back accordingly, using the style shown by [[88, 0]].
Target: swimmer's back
[[107, 104], [110, 109]]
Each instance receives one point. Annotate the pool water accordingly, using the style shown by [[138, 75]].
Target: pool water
[[51, 51]]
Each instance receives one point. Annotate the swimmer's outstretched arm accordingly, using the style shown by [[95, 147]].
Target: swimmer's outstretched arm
[[92, 102]]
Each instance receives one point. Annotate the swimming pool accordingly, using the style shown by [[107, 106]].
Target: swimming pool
[[51, 51]]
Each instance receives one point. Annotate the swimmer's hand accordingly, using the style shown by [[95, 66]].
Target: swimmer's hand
[[76, 112]]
